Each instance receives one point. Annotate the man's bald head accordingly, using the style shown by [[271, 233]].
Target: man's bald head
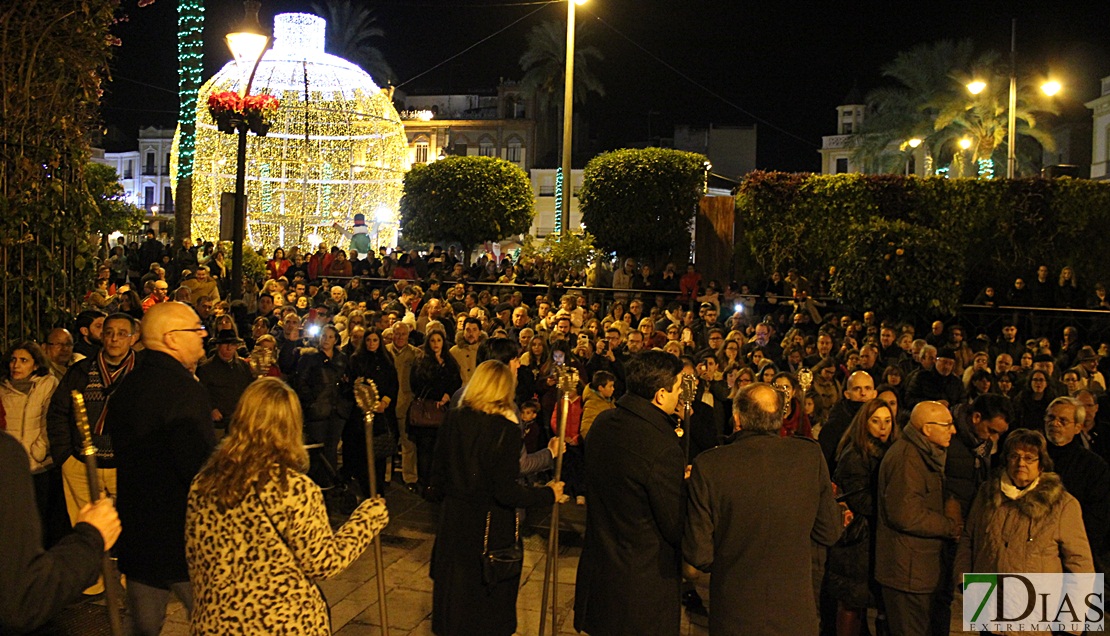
[[860, 387], [758, 408], [174, 329], [934, 420]]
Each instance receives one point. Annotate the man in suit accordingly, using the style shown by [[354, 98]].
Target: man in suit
[[628, 577], [161, 427], [756, 506]]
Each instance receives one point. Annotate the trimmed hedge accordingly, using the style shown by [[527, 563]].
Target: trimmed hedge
[[993, 230]]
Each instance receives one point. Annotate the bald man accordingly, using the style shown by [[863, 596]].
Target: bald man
[[756, 505], [161, 427], [860, 388], [914, 528], [59, 350]]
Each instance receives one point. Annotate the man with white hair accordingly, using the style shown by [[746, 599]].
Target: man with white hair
[[1085, 475], [756, 506]]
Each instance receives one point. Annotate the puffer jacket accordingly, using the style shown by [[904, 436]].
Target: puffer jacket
[[1040, 532], [26, 417]]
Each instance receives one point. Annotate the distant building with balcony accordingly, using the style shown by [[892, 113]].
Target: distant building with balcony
[[145, 173], [543, 188], [499, 124]]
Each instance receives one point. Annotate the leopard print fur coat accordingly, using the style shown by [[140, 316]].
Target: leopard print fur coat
[[253, 567]]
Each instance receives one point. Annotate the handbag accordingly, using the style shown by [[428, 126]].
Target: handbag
[[504, 563], [425, 413]]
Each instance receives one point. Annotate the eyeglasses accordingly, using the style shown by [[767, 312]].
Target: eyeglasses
[[944, 425], [194, 329], [111, 335], [1023, 459]]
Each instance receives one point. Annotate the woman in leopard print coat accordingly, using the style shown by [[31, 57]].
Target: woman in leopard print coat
[[257, 533]]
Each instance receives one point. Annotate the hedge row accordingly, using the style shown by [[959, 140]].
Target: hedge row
[[989, 232]]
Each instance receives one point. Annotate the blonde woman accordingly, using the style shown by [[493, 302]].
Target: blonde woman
[[256, 530], [475, 471]]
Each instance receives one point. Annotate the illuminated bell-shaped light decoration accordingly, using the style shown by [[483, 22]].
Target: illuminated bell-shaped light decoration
[[336, 147]]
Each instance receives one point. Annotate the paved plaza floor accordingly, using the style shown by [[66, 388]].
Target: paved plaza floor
[[407, 549]]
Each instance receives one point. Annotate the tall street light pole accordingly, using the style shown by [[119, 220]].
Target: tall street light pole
[[1011, 129], [568, 121], [247, 43]]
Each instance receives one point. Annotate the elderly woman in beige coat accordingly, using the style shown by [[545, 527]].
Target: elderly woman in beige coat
[[1022, 519]]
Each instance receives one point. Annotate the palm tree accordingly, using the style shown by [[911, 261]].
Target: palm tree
[[349, 33], [544, 65], [932, 103]]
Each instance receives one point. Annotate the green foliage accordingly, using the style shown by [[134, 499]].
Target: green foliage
[[351, 29], [641, 203], [570, 252], [898, 269], [466, 200], [53, 56], [254, 264], [999, 229]]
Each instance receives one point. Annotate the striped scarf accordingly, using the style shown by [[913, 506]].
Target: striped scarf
[[103, 379]]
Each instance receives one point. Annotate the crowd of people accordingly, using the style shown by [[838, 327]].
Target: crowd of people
[[828, 464]]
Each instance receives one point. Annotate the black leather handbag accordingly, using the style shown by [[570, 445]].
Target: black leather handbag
[[502, 564]]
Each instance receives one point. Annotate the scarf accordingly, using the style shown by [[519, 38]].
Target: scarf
[[1012, 492], [102, 382]]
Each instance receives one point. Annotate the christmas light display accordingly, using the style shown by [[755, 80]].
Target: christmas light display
[[190, 61], [336, 147]]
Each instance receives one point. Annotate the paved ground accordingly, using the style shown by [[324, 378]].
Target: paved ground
[[407, 549]]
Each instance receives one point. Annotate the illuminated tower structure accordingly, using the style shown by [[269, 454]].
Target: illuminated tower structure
[[337, 148]]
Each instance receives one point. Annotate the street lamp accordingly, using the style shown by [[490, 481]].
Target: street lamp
[[568, 120], [1048, 88], [247, 43]]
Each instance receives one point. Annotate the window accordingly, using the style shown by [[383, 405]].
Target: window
[[148, 196], [486, 147], [459, 150], [166, 166], [841, 165], [847, 128], [129, 170], [149, 169], [167, 200], [514, 151], [421, 152]]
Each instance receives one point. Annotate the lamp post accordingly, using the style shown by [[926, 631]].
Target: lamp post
[[1049, 88], [568, 121], [247, 43], [912, 144]]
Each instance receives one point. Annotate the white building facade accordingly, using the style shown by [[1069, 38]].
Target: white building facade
[[145, 173]]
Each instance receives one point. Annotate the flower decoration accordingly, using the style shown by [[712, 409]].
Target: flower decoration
[[229, 110]]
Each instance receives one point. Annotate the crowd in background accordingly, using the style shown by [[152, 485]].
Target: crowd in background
[[419, 325]]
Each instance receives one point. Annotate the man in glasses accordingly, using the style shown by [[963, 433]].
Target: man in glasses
[[914, 528], [1085, 474], [59, 350], [161, 425], [159, 293], [96, 378]]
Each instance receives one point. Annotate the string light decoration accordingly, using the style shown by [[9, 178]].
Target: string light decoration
[[190, 62], [337, 147]]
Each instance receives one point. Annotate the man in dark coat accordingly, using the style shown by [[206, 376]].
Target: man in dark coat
[[859, 389], [913, 526], [35, 584], [628, 576], [937, 384], [161, 424], [225, 376], [1086, 476], [756, 506]]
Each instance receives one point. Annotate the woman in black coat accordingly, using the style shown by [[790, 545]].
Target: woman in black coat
[[435, 376], [1032, 401], [476, 471], [373, 362], [321, 383], [851, 564]]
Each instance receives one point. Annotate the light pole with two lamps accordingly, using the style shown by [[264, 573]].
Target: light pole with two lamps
[[247, 43], [1049, 88]]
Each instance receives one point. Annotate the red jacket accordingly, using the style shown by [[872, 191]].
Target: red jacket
[[574, 419]]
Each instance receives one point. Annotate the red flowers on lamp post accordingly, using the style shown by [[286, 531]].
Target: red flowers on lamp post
[[230, 111]]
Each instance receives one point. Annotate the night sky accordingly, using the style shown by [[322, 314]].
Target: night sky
[[785, 65]]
